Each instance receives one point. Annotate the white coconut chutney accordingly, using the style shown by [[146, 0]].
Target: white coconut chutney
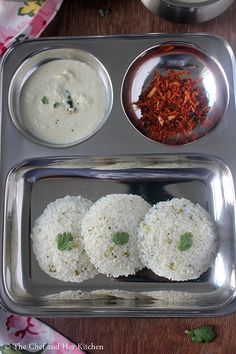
[[63, 101]]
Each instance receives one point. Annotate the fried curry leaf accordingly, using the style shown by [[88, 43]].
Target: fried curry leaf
[[204, 334], [69, 102]]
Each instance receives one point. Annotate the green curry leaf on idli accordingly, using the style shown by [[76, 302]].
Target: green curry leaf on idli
[[120, 238], [186, 241], [65, 241]]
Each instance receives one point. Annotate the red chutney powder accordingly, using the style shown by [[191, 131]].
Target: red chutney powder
[[174, 109]]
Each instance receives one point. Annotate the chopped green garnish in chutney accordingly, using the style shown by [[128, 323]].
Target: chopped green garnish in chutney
[[120, 238], [45, 100], [186, 241], [65, 241], [204, 334]]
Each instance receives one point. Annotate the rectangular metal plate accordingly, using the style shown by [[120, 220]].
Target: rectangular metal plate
[[204, 179]]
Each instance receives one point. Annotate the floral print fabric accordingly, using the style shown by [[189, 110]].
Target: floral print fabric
[[22, 335], [21, 20]]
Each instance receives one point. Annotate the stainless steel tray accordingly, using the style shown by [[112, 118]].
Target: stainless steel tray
[[24, 292]]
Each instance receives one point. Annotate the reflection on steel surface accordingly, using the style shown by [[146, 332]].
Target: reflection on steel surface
[[181, 57], [201, 178]]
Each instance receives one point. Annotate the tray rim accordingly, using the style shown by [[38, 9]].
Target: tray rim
[[205, 156], [137, 36]]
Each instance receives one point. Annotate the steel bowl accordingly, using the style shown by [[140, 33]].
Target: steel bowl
[[35, 61], [176, 56], [188, 11]]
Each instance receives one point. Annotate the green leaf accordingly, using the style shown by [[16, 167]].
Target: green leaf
[[186, 241], [7, 349], [56, 104], [22, 12], [12, 349], [204, 334], [40, 2], [65, 241], [120, 238], [45, 100], [104, 12]]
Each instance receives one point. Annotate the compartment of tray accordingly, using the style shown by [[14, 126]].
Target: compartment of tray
[[203, 179]]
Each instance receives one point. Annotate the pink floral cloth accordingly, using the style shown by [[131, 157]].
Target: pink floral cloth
[[21, 20], [22, 335]]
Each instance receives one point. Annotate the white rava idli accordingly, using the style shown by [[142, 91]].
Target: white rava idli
[[177, 239], [110, 235], [57, 242]]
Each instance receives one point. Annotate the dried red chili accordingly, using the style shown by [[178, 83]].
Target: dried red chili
[[174, 108]]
